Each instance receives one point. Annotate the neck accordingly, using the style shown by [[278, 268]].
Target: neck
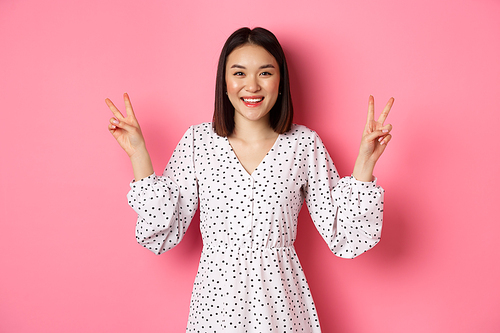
[[249, 130]]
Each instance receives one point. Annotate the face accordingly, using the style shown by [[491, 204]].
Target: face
[[252, 82]]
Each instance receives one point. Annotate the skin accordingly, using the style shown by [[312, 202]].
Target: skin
[[253, 72], [374, 140], [128, 134]]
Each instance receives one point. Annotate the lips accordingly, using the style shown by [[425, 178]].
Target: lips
[[252, 101]]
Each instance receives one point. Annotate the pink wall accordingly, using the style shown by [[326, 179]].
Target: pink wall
[[68, 257]]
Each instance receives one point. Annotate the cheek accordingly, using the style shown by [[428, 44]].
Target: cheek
[[273, 86], [231, 86], [232, 91]]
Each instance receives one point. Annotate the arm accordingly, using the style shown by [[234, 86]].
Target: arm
[[347, 212], [166, 204]]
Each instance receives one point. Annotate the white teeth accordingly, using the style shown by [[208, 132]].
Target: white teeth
[[252, 100]]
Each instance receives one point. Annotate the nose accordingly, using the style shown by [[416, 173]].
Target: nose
[[252, 84]]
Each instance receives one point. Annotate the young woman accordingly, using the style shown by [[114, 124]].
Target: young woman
[[250, 171]]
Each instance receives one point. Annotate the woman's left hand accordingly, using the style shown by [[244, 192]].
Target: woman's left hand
[[375, 138]]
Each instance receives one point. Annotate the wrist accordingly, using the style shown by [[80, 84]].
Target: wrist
[[363, 170], [139, 154], [141, 164]]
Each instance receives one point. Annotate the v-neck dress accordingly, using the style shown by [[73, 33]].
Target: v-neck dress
[[249, 277]]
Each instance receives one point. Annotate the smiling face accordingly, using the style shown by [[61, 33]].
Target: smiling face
[[252, 82]]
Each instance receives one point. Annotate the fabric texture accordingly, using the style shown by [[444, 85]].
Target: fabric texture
[[249, 277]]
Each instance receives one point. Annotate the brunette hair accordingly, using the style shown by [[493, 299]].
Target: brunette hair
[[281, 114]]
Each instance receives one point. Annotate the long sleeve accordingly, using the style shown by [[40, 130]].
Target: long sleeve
[[346, 212], [166, 204]]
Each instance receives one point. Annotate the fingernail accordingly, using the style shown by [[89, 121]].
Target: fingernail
[[385, 131], [115, 121], [380, 139]]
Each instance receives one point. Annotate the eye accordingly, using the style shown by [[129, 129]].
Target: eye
[[266, 74], [238, 74]]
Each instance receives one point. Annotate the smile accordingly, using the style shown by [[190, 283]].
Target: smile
[[252, 100]]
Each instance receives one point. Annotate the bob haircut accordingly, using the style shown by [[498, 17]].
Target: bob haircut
[[281, 114]]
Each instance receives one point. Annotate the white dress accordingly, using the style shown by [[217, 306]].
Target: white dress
[[249, 277]]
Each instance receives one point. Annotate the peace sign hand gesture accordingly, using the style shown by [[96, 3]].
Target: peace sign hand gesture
[[126, 130], [375, 138]]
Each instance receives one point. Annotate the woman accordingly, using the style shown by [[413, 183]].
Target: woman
[[250, 170]]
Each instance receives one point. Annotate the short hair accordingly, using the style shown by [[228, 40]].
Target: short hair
[[281, 114]]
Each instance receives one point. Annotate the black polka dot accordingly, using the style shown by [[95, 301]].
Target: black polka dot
[[249, 277]]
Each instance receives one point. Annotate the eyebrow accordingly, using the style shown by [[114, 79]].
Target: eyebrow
[[261, 67]]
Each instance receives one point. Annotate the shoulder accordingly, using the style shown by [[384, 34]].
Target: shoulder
[[305, 140], [200, 130], [301, 132], [202, 134]]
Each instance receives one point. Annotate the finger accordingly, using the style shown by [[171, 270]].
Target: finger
[[379, 128], [385, 140], [113, 122], [121, 124], [371, 109], [386, 129], [386, 110], [376, 135], [113, 109], [128, 105]]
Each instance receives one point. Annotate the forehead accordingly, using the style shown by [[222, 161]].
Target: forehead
[[250, 55]]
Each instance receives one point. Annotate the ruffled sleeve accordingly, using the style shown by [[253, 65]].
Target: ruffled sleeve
[[166, 204], [346, 212]]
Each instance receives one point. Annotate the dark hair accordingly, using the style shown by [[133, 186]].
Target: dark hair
[[281, 114]]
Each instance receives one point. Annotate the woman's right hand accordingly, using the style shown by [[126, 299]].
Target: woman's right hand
[[126, 130]]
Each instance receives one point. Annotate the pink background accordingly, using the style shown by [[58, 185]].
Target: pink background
[[68, 257]]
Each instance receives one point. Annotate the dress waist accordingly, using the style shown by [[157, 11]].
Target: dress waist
[[246, 248]]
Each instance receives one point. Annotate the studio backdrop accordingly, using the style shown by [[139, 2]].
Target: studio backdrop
[[68, 257]]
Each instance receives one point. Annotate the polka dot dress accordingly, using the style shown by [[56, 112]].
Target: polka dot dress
[[249, 278]]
